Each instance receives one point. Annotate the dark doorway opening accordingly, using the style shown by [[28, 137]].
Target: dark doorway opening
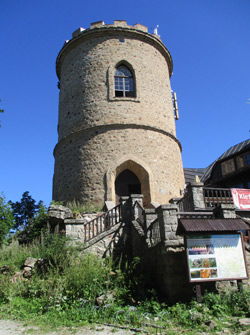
[[127, 183]]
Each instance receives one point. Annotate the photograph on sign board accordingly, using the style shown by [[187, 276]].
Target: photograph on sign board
[[219, 257]]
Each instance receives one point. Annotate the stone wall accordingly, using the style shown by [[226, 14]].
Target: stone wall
[[164, 262]]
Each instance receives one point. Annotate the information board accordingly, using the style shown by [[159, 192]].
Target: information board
[[215, 257]]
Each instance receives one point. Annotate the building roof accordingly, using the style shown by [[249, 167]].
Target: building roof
[[212, 225], [228, 153], [191, 173]]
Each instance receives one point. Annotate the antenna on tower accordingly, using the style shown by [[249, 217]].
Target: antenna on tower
[[156, 30]]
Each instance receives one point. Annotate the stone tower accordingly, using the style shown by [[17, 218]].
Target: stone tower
[[116, 128]]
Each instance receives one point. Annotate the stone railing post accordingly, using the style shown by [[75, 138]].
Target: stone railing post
[[225, 211], [196, 196], [149, 216], [129, 212], [125, 209], [168, 221], [133, 198]]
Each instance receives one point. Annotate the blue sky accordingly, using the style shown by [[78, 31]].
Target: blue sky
[[209, 41]]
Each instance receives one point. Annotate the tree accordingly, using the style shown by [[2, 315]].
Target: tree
[[30, 218], [6, 219], [24, 210], [34, 226]]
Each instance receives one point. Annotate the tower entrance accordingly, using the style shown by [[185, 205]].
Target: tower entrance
[[126, 183], [128, 177]]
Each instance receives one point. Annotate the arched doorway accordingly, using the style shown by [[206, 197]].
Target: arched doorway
[[138, 169], [126, 183]]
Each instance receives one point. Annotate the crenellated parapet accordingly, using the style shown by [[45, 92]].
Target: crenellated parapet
[[120, 27]]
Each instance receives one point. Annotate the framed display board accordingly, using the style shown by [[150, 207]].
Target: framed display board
[[213, 257]]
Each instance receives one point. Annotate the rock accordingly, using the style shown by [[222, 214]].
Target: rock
[[197, 316], [30, 262], [5, 269], [211, 324], [244, 322], [225, 323], [105, 298], [27, 272], [245, 332], [77, 216], [100, 300], [59, 213], [17, 276]]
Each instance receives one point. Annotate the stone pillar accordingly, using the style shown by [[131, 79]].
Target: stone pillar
[[136, 197], [149, 216], [196, 196], [125, 209], [168, 221], [225, 211], [135, 211]]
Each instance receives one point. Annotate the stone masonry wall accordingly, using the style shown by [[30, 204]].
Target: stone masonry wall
[[98, 130], [85, 85], [82, 163]]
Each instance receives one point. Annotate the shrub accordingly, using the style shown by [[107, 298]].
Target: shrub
[[238, 302], [6, 219]]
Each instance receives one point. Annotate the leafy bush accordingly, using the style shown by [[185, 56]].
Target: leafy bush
[[238, 302], [214, 302], [6, 219]]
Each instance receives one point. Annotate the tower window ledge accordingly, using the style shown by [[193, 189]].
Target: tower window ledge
[[124, 99]]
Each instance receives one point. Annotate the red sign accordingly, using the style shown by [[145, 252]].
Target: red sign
[[241, 198]]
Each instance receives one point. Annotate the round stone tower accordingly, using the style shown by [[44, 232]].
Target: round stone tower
[[116, 128]]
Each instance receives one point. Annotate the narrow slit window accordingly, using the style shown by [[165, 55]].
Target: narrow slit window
[[124, 82]]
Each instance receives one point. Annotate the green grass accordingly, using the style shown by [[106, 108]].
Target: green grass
[[64, 293]]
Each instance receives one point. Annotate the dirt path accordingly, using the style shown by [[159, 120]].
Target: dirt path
[[9, 327]]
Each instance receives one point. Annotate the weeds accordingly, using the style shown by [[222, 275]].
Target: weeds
[[78, 207], [65, 293]]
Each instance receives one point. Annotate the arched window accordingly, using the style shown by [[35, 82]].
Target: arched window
[[124, 82]]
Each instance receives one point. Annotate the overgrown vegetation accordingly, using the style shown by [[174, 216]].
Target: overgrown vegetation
[[78, 207], [26, 219], [65, 292], [6, 219], [74, 288]]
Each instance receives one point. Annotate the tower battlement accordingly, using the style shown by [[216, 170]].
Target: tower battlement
[[121, 29], [117, 23]]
